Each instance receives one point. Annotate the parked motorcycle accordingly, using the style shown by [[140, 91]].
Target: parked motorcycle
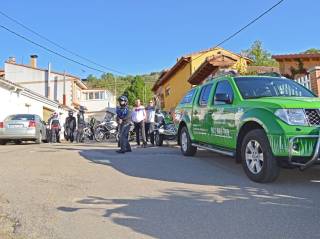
[[164, 132], [164, 128], [87, 134], [106, 130]]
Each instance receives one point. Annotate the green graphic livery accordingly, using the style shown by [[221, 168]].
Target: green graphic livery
[[264, 122]]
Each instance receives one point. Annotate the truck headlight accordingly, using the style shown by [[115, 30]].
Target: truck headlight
[[292, 116]]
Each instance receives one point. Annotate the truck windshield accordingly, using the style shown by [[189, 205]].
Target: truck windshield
[[258, 87]]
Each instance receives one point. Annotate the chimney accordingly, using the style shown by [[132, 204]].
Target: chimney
[[12, 60], [33, 61]]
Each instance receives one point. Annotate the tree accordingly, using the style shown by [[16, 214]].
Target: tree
[[135, 87], [312, 51], [259, 56], [137, 90]]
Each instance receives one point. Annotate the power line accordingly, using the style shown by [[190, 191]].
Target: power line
[[243, 28], [51, 51], [58, 45]]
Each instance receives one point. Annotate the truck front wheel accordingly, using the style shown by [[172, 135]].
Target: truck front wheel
[[185, 143], [258, 161]]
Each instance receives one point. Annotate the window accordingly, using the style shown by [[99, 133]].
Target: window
[[188, 97], [97, 95], [258, 87], [91, 96], [168, 91], [204, 96], [102, 95], [223, 87]]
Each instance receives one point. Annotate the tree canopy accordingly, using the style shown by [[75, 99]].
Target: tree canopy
[[312, 50], [259, 56], [134, 87]]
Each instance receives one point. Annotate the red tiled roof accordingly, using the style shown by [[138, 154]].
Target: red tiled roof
[[181, 63], [210, 66], [296, 56]]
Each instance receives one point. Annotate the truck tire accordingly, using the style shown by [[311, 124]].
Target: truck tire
[[258, 161], [185, 143]]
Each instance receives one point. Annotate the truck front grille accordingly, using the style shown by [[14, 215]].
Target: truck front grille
[[313, 117]]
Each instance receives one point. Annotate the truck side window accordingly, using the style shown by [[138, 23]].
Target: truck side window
[[187, 99], [204, 95], [223, 87]]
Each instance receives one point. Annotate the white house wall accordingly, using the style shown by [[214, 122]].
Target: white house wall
[[21, 103], [37, 81]]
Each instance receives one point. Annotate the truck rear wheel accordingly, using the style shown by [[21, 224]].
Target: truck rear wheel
[[185, 143], [258, 161]]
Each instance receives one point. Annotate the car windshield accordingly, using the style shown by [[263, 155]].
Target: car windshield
[[21, 117], [258, 87]]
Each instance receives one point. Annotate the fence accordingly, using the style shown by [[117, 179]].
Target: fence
[[305, 81]]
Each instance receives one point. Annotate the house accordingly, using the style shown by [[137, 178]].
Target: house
[[302, 67], [174, 83], [16, 99], [61, 87], [98, 102], [294, 66]]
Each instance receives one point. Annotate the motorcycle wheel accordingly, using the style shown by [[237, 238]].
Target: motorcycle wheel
[[99, 135]]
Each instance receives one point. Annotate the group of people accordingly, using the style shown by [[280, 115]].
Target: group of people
[[73, 127], [143, 119]]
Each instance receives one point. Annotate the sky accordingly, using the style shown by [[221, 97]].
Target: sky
[[142, 36]]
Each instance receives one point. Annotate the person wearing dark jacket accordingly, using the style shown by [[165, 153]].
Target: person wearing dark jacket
[[81, 124], [124, 122], [70, 126]]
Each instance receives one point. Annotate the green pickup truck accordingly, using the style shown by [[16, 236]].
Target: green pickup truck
[[264, 122]]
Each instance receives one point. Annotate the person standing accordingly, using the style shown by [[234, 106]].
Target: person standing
[[138, 118], [81, 124], [55, 127], [124, 122], [150, 120], [70, 126]]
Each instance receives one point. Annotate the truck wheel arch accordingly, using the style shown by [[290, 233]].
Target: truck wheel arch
[[245, 128], [181, 125]]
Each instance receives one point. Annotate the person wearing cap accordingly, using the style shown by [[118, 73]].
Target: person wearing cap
[[150, 120], [124, 122]]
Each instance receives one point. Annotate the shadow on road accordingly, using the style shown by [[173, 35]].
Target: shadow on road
[[229, 206], [224, 212], [167, 164]]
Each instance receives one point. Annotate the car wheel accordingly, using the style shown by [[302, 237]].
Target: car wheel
[[258, 161], [3, 142], [158, 138], [39, 139], [185, 143], [18, 142]]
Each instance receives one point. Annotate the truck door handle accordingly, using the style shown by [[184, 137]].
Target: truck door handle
[[195, 112]]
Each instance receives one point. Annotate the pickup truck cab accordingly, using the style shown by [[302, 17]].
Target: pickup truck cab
[[264, 122]]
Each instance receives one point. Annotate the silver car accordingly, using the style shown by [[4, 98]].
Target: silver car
[[22, 127]]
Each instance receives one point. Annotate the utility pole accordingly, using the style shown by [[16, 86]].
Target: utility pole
[[64, 100], [115, 88]]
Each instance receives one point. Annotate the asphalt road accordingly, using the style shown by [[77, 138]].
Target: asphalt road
[[90, 192]]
